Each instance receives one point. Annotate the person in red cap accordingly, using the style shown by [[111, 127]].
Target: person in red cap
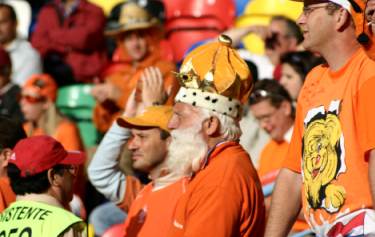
[[9, 92], [330, 165], [42, 173]]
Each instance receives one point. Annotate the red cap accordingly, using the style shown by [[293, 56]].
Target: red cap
[[4, 58], [36, 154]]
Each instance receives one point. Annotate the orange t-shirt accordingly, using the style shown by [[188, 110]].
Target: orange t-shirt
[[223, 199], [7, 195], [333, 131], [271, 161], [151, 213]]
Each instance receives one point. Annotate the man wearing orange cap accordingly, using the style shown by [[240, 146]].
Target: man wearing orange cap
[[42, 173], [224, 196], [330, 165], [138, 56], [150, 209]]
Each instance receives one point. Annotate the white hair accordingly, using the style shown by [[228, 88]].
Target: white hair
[[229, 127]]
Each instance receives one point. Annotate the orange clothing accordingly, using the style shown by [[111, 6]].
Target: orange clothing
[[125, 76], [133, 187], [334, 129], [66, 133], [272, 157], [271, 160], [151, 213], [223, 199], [7, 195]]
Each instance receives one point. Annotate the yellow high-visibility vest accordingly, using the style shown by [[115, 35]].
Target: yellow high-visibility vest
[[35, 219]]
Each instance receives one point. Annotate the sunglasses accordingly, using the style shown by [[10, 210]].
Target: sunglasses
[[33, 99]]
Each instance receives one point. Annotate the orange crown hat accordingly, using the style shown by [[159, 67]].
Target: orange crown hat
[[213, 76], [42, 85]]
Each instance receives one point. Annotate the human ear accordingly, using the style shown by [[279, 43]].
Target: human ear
[[211, 126]]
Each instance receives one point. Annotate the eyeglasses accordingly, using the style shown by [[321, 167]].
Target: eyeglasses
[[32, 99], [307, 10]]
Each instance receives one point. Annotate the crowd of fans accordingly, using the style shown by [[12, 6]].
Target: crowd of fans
[[169, 160]]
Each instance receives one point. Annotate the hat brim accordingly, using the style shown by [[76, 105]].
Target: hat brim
[[116, 30], [136, 123], [73, 158]]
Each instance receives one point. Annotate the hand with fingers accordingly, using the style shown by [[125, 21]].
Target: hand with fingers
[[105, 91], [131, 106], [153, 91]]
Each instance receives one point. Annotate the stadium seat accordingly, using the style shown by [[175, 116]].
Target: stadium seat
[[76, 102]]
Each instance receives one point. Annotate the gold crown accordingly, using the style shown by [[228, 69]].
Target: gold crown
[[217, 68]]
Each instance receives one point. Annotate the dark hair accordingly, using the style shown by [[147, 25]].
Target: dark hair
[[10, 132], [11, 11], [293, 30], [38, 183], [301, 62], [272, 90]]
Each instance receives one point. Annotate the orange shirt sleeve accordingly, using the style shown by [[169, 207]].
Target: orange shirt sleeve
[[294, 156], [366, 115], [133, 187]]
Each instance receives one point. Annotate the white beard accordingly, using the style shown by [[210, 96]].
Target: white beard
[[185, 154], [186, 151]]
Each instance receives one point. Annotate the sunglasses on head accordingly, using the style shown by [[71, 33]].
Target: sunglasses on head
[[259, 95]]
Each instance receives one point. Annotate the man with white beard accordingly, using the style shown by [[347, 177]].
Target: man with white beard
[[223, 196]]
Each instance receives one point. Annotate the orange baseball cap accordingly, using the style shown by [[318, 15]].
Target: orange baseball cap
[[153, 116], [42, 85]]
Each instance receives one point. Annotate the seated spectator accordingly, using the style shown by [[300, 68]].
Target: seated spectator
[[137, 56], [294, 68], [282, 35], [42, 173], [149, 208], [272, 106], [10, 133], [69, 36], [41, 115], [9, 92], [25, 59]]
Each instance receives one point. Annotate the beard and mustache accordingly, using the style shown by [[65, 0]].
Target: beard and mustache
[[186, 152]]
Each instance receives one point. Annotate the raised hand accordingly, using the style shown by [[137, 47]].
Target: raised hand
[[153, 87]]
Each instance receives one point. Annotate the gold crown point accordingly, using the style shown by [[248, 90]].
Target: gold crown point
[[225, 40]]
